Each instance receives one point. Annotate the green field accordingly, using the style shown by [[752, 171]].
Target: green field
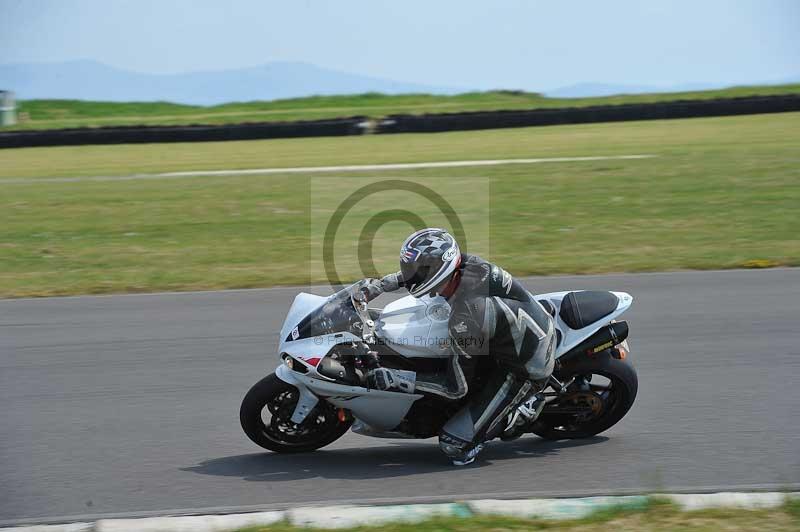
[[719, 193], [54, 114]]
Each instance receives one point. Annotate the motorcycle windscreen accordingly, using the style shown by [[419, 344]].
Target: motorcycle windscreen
[[334, 316]]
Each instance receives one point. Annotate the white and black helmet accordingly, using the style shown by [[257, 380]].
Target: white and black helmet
[[428, 259]]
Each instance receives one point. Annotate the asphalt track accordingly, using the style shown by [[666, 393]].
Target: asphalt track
[[129, 405]]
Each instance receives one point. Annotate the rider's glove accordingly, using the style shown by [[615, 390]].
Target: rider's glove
[[376, 287], [392, 282], [381, 379], [372, 289]]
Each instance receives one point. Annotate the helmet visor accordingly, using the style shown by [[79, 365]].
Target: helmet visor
[[415, 274]]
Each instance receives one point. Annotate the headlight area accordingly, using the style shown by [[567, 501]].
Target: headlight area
[[294, 364]]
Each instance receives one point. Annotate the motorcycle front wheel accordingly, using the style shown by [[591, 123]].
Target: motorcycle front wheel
[[603, 391], [265, 417]]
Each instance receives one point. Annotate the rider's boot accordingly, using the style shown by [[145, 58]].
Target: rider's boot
[[459, 452], [469, 457], [521, 418]]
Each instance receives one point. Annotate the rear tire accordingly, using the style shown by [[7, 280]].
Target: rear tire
[[625, 385], [273, 396]]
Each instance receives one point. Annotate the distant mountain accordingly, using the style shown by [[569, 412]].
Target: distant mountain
[[89, 80]]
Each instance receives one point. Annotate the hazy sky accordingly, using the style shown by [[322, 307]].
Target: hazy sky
[[460, 43]]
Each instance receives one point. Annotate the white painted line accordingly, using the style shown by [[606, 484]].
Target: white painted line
[[554, 508], [321, 169], [68, 527], [792, 487], [354, 516], [191, 523], [749, 501], [339, 516]]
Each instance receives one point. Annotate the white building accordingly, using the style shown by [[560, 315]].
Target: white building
[[8, 109]]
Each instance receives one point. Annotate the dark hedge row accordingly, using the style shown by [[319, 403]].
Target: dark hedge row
[[583, 115], [193, 133], [403, 123]]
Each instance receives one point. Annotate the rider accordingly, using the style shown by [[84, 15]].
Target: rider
[[491, 314]]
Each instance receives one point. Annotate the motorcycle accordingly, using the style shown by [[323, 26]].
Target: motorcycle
[[328, 345]]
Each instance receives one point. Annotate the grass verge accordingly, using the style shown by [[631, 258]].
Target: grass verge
[[56, 114], [721, 193]]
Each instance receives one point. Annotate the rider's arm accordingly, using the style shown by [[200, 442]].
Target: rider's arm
[[389, 283]]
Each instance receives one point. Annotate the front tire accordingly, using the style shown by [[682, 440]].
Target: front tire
[[276, 399], [604, 406]]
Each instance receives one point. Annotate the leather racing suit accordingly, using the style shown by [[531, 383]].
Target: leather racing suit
[[492, 314]]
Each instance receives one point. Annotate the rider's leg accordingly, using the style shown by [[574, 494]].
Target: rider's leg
[[451, 384], [482, 419]]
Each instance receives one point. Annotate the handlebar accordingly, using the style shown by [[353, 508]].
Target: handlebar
[[358, 298]]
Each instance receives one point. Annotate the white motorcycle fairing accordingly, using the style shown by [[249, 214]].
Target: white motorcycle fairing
[[572, 337], [379, 409], [413, 328], [416, 327]]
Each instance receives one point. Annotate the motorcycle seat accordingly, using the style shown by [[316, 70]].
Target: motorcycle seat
[[579, 309]]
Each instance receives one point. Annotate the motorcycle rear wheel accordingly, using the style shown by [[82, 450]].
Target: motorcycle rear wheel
[[604, 405], [275, 398]]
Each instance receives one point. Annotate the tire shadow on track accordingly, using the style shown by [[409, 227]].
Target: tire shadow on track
[[381, 462]]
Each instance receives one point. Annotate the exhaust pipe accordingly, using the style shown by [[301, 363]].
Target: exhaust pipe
[[607, 337]]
